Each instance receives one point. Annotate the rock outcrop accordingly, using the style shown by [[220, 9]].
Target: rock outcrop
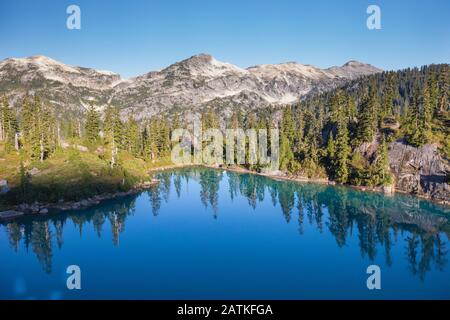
[[420, 171], [10, 214], [4, 188]]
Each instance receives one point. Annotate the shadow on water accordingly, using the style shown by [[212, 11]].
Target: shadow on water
[[377, 219]]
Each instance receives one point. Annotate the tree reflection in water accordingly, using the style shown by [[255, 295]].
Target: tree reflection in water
[[378, 220]]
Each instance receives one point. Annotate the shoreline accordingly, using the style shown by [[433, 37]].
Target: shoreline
[[385, 190], [42, 209]]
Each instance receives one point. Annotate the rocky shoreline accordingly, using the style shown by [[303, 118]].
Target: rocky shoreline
[[44, 208], [279, 175], [38, 208]]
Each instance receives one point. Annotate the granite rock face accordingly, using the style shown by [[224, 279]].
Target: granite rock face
[[421, 171], [189, 85]]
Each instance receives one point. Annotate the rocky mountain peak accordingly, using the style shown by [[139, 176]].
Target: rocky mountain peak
[[203, 65], [353, 63], [192, 84]]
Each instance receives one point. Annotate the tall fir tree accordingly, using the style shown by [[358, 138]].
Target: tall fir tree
[[367, 118], [286, 137], [414, 126], [380, 173], [92, 126], [8, 126], [342, 152]]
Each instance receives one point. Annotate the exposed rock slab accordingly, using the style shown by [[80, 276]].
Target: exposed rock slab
[[421, 171], [10, 214]]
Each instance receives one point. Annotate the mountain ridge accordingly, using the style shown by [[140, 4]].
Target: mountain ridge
[[188, 84]]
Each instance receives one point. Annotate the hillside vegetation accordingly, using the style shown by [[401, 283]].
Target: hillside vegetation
[[343, 135]]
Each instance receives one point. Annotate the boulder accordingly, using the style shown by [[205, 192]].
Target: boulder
[[420, 171], [81, 148], [43, 211], [35, 208], [10, 214], [64, 145], [4, 188], [76, 206], [388, 190], [34, 171]]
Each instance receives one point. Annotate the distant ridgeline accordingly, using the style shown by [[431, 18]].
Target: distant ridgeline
[[343, 134]]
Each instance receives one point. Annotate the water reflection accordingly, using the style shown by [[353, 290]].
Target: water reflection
[[377, 220]]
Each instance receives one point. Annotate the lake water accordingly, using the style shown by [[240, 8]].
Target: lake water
[[204, 233]]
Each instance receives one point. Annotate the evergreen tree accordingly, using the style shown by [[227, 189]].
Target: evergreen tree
[[286, 137], [27, 115], [8, 126], [133, 136], [331, 151], [48, 132], [298, 142], [443, 89], [380, 173], [92, 126], [367, 119], [114, 133], [389, 96], [428, 100], [414, 126], [39, 129], [342, 153], [163, 137], [433, 93]]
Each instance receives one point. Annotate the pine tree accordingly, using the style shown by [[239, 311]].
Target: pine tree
[[428, 110], [92, 126], [380, 173], [443, 89], [38, 129], [210, 120], [351, 109], [298, 140], [414, 126], [389, 97], [366, 119], [114, 133], [338, 105], [27, 115], [286, 137], [8, 126], [163, 137], [331, 151], [133, 136], [342, 153], [48, 132], [152, 140], [433, 93], [236, 120]]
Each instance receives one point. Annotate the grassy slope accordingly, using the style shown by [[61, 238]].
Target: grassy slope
[[72, 175]]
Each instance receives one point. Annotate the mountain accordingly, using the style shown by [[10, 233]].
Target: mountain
[[189, 85]]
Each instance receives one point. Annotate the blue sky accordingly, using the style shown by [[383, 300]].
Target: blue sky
[[133, 37]]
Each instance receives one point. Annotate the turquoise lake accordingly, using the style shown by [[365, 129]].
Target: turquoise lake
[[207, 234]]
